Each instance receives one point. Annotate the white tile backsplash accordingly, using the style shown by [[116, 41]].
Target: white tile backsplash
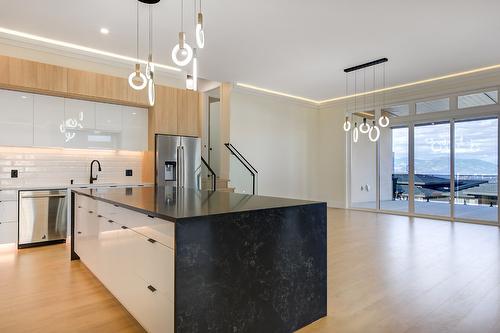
[[50, 167]]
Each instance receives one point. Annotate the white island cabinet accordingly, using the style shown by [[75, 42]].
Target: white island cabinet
[[132, 254]]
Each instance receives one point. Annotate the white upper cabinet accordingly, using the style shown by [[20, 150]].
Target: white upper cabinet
[[134, 134], [16, 118], [108, 117], [49, 123], [80, 113], [31, 120]]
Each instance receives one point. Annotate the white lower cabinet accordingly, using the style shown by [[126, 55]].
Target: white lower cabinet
[[8, 211], [8, 232], [137, 270]]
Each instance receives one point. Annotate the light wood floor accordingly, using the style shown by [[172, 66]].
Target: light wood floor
[[385, 274]]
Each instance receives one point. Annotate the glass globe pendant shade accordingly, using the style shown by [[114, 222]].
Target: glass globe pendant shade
[[136, 79], [355, 133], [383, 121], [364, 127], [374, 133], [200, 33], [347, 125], [182, 53]]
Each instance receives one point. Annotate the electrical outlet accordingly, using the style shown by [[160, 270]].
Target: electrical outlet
[[13, 173], [128, 173]]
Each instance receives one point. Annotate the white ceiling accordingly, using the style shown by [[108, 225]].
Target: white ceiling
[[297, 47]]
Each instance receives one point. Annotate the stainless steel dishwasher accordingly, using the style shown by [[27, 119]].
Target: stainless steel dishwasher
[[42, 217]]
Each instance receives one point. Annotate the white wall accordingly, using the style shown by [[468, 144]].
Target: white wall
[[280, 138]]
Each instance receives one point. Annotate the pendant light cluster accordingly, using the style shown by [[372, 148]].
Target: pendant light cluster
[[182, 53], [373, 129], [138, 80]]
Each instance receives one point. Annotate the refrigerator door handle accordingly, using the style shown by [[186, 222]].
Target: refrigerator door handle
[[178, 173], [183, 167]]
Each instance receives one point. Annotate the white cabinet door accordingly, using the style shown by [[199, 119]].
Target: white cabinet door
[[8, 232], [48, 118], [108, 117], [135, 129], [16, 118], [82, 112], [8, 211]]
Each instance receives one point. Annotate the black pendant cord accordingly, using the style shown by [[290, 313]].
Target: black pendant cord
[[137, 32], [151, 32], [182, 15]]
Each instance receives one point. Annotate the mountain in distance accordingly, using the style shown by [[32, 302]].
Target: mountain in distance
[[441, 166]]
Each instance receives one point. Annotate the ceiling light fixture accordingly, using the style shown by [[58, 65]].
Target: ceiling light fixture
[[54, 42], [182, 53], [374, 129], [195, 70], [104, 31]]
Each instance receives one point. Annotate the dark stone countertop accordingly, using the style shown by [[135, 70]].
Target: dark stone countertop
[[171, 203]]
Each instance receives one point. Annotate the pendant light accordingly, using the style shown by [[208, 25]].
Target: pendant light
[[374, 133], [150, 69], [347, 124], [383, 121], [182, 53], [355, 133], [364, 127], [200, 33], [136, 79], [195, 70]]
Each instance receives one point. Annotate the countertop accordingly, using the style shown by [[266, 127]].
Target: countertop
[[69, 186], [171, 203]]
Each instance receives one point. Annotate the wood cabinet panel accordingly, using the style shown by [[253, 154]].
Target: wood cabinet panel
[[34, 75], [81, 83], [188, 113], [164, 113], [4, 70], [110, 87]]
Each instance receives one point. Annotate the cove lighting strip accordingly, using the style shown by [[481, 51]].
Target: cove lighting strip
[[405, 85], [72, 46]]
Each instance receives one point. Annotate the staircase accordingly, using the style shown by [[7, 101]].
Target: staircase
[[222, 185]]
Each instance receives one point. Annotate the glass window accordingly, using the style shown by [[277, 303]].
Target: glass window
[[397, 111], [478, 99], [437, 105], [476, 167], [432, 169], [394, 167]]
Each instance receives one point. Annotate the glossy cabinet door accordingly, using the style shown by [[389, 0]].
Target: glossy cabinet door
[[108, 117], [134, 134], [8, 232], [83, 112], [48, 119], [16, 118]]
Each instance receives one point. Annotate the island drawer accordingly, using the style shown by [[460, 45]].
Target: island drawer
[[8, 232], [86, 202]]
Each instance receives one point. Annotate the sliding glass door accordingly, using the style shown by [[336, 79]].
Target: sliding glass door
[[431, 187], [476, 168], [394, 169]]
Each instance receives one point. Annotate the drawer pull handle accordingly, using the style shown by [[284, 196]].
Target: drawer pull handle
[[151, 240], [124, 227], [153, 289], [99, 215], [91, 211], [151, 216], [111, 221], [79, 206], [79, 232], [116, 205]]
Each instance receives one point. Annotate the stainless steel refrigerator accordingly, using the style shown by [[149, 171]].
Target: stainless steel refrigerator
[[178, 161]]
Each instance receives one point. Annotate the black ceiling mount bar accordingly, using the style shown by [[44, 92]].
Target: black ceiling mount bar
[[368, 64], [213, 175]]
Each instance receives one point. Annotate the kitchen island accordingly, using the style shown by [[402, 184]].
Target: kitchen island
[[182, 260]]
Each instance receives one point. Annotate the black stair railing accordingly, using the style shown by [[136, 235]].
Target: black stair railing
[[245, 163], [212, 175]]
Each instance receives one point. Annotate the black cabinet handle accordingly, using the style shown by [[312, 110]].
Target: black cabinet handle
[[91, 211], [151, 216], [99, 215], [111, 221], [153, 289], [124, 227], [79, 232], [79, 206], [151, 240], [116, 205]]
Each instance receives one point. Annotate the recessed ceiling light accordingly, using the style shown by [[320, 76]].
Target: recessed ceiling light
[[104, 31]]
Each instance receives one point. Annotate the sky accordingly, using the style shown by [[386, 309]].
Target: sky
[[475, 142]]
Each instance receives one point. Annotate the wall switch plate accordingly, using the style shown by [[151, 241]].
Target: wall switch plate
[[13, 173], [128, 173]]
